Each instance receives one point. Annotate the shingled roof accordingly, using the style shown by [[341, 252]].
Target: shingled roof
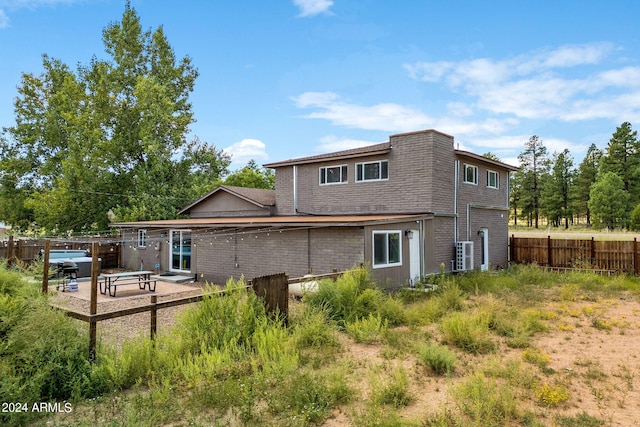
[[369, 150]]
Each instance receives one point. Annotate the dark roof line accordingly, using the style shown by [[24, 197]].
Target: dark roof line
[[382, 148]]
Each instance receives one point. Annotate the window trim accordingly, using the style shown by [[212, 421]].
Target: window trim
[[373, 248], [497, 174], [379, 162], [142, 238], [344, 174], [475, 175]]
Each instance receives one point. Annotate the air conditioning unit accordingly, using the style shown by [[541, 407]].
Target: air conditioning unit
[[464, 256]]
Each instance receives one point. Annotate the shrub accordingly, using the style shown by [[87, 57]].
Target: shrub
[[440, 359], [222, 320], [367, 330], [394, 391], [468, 331], [313, 329], [551, 395], [486, 402], [536, 357]]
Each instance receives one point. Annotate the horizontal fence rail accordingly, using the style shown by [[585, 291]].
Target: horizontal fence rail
[[273, 289], [605, 255]]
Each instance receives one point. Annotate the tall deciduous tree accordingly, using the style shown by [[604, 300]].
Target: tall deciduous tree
[[556, 194], [110, 136], [534, 164], [252, 176], [584, 179]]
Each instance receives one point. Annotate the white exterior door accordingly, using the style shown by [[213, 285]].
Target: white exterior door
[[414, 257], [484, 245]]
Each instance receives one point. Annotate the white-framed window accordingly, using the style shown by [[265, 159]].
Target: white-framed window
[[387, 248], [142, 238], [333, 175], [471, 174], [372, 171], [493, 179]]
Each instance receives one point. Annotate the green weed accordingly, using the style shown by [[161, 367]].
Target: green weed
[[438, 358], [468, 331]]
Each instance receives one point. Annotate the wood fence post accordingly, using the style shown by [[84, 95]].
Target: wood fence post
[[45, 267], [512, 249], [93, 306], [154, 316], [10, 252], [635, 256], [593, 252], [274, 290], [549, 258]]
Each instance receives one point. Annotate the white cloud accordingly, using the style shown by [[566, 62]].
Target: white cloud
[[27, 4], [385, 116], [313, 7], [4, 19], [247, 149], [391, 117], [332, 143], [552, 84]]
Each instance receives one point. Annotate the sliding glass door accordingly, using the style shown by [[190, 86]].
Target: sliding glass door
[[180, 250]]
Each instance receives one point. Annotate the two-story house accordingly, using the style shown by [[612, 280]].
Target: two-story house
[[408, 207]]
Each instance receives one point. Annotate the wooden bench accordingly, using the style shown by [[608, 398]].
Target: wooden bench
[[110, 282]]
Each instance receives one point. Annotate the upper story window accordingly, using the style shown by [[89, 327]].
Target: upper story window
[[372, 171], [387, 249], [333, 175], [493, 179], [142, 238], [471, 174]]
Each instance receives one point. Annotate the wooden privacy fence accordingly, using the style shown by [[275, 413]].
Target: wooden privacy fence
[[607, 255], [29, 250]]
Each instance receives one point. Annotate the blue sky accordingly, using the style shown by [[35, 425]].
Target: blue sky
[[288, 78]]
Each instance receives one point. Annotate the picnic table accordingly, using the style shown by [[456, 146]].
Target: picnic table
[[110, 281]]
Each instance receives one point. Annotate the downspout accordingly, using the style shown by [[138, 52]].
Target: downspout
[[422, 251], [455, 201], [295, 189]]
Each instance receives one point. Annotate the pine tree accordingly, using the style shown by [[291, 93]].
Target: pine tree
[[585, 177], [534, 163], [622, 157], [557, 190]]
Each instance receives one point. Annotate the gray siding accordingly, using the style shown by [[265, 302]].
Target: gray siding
[[225, 204], [421, 179], [295, 252]]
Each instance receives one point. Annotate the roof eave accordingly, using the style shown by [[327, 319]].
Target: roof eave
[[293, 162]]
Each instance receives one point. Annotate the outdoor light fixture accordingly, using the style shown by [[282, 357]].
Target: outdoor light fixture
[[409, 234]]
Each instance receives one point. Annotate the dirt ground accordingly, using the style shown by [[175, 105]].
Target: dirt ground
[[593, 349]]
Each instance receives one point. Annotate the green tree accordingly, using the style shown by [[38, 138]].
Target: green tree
[[584, 179], [634, 223], [622, 157], [515, 193], [252, 176], [534, 164], [608, 201], [556, 194], [491, 156], [110, 136]]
